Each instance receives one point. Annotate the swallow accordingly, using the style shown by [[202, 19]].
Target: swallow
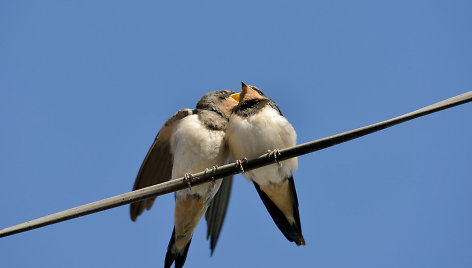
[[190, 141], [257, 126]]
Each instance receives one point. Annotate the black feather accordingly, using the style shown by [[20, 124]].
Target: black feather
[[215, 214], [293, 233], [253, 106], [178, 257]]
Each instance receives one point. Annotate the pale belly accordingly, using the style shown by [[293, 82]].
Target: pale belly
[[195, 148], [253, 136]]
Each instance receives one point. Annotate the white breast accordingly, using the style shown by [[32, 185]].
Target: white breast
[[195, 148], [253, 136]]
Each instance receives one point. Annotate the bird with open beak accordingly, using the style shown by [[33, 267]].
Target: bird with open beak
[[190, 141], [257, 126]]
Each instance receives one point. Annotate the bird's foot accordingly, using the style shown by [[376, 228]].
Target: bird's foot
[[214, 168], [274, 153], [212, 182], [239, 163], [188, 177]]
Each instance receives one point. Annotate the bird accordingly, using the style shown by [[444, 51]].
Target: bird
[[190, 141], [257, 126]]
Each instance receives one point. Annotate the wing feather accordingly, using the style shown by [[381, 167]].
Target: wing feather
[[157, 165], [216, 213]]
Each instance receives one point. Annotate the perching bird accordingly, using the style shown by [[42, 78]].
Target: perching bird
[[256, 127], [190, 141]]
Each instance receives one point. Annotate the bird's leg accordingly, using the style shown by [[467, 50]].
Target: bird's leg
[[215, 167], [212, 183], [274, 153], [188, 177], [239, 163]]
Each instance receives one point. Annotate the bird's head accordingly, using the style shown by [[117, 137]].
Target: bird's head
[[249, 93], [220, 101]]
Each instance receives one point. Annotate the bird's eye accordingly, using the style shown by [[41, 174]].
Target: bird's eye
[[258, 91]]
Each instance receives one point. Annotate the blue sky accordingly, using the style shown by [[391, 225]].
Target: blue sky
[[86, 85]]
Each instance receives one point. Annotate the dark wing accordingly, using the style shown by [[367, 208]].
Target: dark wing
[[275, 107], [216, 213], [293, 233], [157, 166]]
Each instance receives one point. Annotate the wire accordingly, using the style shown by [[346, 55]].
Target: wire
[[230, 169]]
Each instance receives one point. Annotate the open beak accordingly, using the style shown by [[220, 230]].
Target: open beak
[[235, 96]]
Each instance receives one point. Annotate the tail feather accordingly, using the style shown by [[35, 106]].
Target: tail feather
[[296, 214], [179, 257], [293, 233]]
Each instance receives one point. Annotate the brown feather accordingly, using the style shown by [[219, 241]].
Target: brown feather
[[157, 165]]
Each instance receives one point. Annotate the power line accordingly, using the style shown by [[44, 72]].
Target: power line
[[230, 169]]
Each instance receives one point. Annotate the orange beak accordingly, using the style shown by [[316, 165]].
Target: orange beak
[[235, 96]]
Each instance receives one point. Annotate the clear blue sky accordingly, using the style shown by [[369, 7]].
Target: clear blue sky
[[86, 85]]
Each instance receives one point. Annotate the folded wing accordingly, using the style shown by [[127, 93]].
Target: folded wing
[[157, 165], [216, 213]]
